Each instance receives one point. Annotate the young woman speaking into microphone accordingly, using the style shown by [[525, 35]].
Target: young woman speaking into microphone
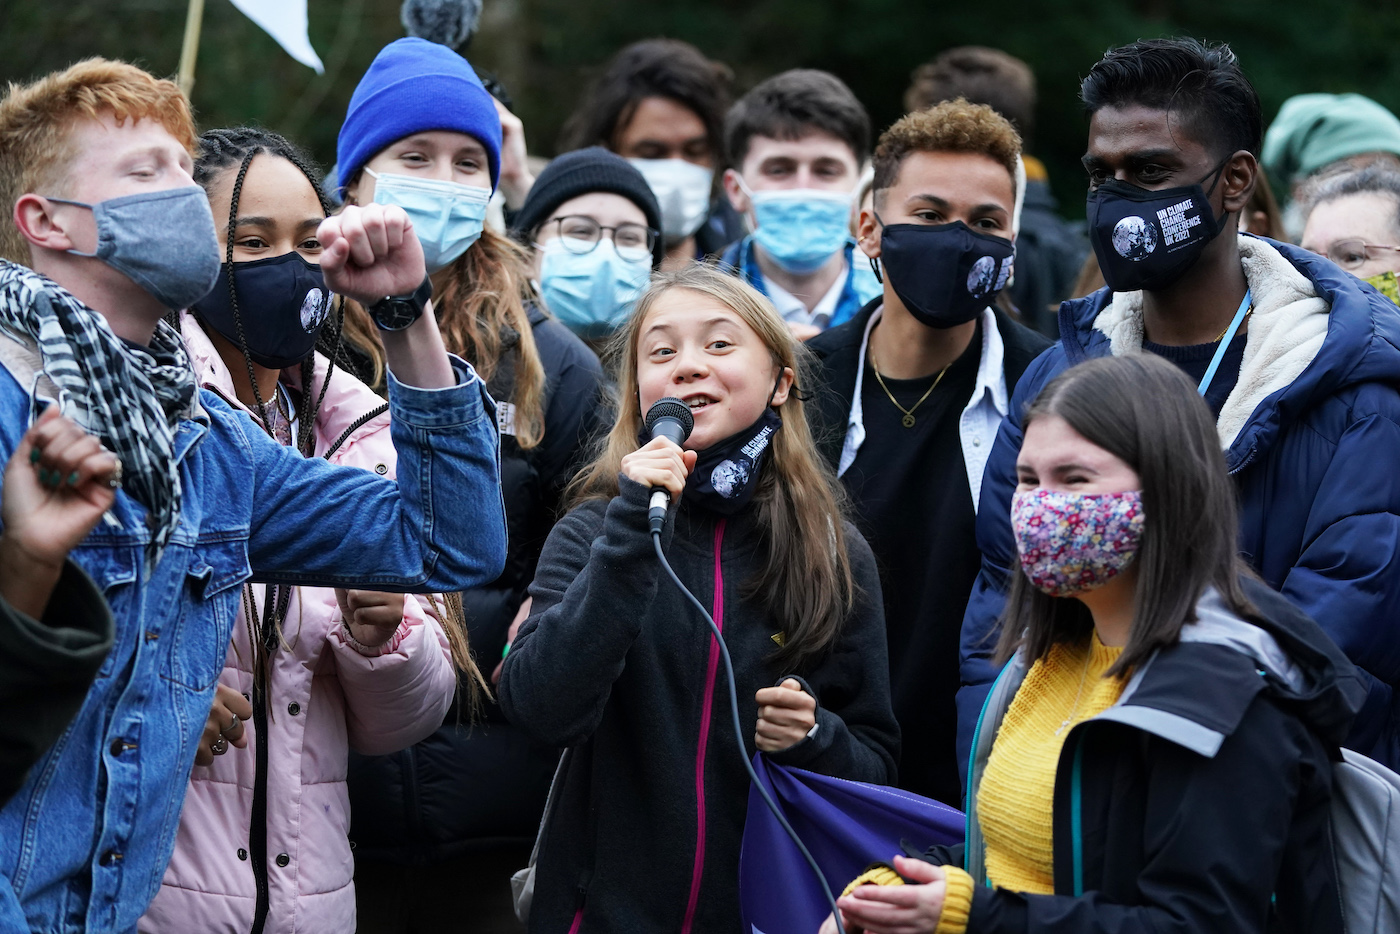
[[615, 662]]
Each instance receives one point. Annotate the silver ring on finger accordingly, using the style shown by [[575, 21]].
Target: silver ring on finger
[[232, 725], [219, 746]]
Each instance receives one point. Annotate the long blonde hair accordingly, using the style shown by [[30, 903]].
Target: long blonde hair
[[805, 577], [483, 313]]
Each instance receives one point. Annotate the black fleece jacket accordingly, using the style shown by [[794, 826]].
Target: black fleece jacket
[[1200, 801], [615, 663]]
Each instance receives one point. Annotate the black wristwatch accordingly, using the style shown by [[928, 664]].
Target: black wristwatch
[[396, 312]]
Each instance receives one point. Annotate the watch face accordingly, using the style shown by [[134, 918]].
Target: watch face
[[393, 314]]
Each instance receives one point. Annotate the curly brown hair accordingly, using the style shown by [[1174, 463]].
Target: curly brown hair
[[952, 126]]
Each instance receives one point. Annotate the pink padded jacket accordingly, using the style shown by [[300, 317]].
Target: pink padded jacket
[[325, 698]]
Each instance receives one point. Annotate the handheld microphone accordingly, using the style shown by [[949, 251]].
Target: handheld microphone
[[667, 418]]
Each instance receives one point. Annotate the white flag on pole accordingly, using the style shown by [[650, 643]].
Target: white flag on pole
[[285, 21]]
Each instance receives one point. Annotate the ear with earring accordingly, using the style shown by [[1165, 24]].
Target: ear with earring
[[874, 264]]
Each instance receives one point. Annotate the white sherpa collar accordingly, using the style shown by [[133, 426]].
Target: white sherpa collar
[[1285, 332]]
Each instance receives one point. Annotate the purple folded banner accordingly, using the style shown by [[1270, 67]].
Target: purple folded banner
[[846, 825]]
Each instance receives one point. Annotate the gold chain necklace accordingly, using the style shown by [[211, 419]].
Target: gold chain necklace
[[1227, 327], [1088, 658], [908, 419]]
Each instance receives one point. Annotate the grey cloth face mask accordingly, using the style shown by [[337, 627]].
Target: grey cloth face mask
[[162, 240]]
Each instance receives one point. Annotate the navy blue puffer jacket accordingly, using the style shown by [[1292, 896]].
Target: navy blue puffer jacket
[[1312, 439]]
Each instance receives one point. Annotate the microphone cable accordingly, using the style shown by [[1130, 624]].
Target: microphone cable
[[739, 729]]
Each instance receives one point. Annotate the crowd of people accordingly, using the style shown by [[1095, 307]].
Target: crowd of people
[[329, 599]]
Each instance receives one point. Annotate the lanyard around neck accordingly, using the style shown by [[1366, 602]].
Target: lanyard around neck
[[1225, 340]]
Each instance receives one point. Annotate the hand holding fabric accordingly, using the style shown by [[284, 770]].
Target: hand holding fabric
[[913, 908], [786, 714]]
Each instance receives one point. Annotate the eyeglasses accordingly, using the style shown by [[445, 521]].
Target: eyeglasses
[[581, 234], [1352, 254]]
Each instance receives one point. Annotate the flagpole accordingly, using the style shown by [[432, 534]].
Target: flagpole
[[190, 49]]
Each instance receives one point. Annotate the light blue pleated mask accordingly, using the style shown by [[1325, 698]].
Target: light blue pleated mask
[[801, 228], [447, 216], [592, 293]]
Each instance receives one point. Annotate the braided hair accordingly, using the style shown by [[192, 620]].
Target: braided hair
[[220, 151], [225, 150]]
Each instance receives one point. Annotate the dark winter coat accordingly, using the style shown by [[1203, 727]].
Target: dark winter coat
[[615, 663], [1311, 434], [46, 668], [1199, 801], [468, 787]]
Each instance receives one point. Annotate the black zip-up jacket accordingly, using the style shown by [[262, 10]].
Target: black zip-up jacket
[[474, 787], [615, 663], [1199, 801]]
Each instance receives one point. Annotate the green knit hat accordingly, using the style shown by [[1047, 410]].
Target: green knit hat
[[1314, 130]]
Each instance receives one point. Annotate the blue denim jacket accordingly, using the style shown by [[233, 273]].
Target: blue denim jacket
[[84, 843]]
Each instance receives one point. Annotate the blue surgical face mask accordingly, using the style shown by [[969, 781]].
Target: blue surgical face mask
[[162, 240], [800, 228], [447, 216], [592, 293]]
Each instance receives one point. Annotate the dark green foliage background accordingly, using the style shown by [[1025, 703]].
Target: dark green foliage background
[[546, 51]]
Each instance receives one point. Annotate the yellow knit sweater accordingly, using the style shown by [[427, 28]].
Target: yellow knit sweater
[[1016, 794]]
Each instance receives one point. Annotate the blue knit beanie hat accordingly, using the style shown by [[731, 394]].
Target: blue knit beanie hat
[[413, 86]]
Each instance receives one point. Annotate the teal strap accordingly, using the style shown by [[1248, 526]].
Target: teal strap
[[1225, 341], [1076, 807], [971, 801]]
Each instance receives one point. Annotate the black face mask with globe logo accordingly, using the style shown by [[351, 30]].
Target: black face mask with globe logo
[[726, 473], [945, 274], [283, 304], [1148, 239]]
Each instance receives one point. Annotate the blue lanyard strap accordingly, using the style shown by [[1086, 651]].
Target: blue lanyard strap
[[1225, 341]]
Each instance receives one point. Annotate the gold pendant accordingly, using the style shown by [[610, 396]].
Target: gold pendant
[[908, 420]]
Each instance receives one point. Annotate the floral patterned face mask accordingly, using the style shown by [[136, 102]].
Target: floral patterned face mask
[[1073, 542]]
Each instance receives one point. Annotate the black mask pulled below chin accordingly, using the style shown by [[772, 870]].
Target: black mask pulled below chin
[[945, 274], [1149, 239], [726, 473], [282, 302]]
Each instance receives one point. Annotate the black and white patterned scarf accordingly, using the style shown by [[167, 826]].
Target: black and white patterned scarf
[[131, 398]]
